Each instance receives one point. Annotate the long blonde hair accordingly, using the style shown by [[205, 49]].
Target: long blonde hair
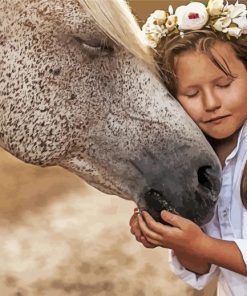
[[115, 18], [202, 40]]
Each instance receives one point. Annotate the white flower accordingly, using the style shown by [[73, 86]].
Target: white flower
[[171, 22], [235, 32], [153, 33], [158, 17], [215, 7], [153, 29], [222, 23], [192, 16], [242, 23], [229, 19], [150, 40], [170, 10], [235, 10]]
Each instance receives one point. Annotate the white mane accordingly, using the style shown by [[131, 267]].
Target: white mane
[[116, 20]]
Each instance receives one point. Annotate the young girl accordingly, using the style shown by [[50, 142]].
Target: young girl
[[202, 53]]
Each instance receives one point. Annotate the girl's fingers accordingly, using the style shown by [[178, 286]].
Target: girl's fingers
[[174, 220], [148, 233], [154, 242], [131, 221], [133, 218], [146, 243], [134, 226], [132, 230], [135, 229], [155, 226]]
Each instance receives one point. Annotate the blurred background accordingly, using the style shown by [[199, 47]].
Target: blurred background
[[61, 237]]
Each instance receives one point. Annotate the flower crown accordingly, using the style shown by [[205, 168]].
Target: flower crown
[[229, 19]]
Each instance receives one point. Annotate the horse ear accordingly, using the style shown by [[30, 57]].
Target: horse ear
[[243, 186]]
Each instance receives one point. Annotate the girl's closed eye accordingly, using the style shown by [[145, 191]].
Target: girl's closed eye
[[224, 84], [189, 93], [192, 95]]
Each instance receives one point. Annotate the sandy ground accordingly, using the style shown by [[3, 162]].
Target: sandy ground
[[61, 237]]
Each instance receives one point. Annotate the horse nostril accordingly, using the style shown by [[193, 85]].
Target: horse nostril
[[154, 199], [204, 177]]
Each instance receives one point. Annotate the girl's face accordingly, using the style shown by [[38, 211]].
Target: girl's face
[[215, 101]]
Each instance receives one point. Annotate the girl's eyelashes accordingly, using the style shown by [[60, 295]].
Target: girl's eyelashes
[[188, 95], [191, 95], [224, 85]]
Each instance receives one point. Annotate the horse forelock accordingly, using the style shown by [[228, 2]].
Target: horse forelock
[[115, 18]]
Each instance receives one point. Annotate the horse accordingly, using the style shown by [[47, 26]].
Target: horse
[[79, 88]]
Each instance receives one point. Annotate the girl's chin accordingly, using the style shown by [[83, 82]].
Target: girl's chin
[[220, 135], [219, 132]]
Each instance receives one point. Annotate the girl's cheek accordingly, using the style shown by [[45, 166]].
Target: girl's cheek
[[193, 111]]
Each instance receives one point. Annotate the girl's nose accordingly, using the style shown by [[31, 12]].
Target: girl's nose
[[211, 101]]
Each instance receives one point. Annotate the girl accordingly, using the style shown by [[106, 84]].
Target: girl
[[202, 53]]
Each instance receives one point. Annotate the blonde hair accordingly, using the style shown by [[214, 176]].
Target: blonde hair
[[202, 40], [115, 18]]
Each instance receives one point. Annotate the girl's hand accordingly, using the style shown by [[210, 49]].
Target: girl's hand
[[184, 236], [136, 230], [145, 233]]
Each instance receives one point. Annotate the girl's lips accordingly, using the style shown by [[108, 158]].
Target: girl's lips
[[216, 119]]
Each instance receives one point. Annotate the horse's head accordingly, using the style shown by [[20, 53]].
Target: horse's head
[[72, 96]]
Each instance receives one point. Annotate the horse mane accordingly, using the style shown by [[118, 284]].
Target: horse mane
[[115, 18]]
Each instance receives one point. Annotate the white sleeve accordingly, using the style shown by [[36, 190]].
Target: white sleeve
[[242, 245], [196, 281]]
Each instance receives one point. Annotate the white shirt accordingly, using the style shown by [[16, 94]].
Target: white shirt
[[229, 223]]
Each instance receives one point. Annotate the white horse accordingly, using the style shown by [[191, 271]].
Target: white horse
[[79, 89]]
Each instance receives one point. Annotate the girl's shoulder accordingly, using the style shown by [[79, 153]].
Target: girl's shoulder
[[243, 157], [242, 142], [240, 150], [242, 139], [244, 130]]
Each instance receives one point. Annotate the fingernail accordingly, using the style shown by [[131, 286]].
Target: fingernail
[[164, 212]]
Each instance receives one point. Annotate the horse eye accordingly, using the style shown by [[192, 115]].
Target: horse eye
[[99, 48]]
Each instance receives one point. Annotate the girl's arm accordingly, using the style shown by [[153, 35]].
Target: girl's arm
[[191, 244], [192, 263], [225, 254]]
